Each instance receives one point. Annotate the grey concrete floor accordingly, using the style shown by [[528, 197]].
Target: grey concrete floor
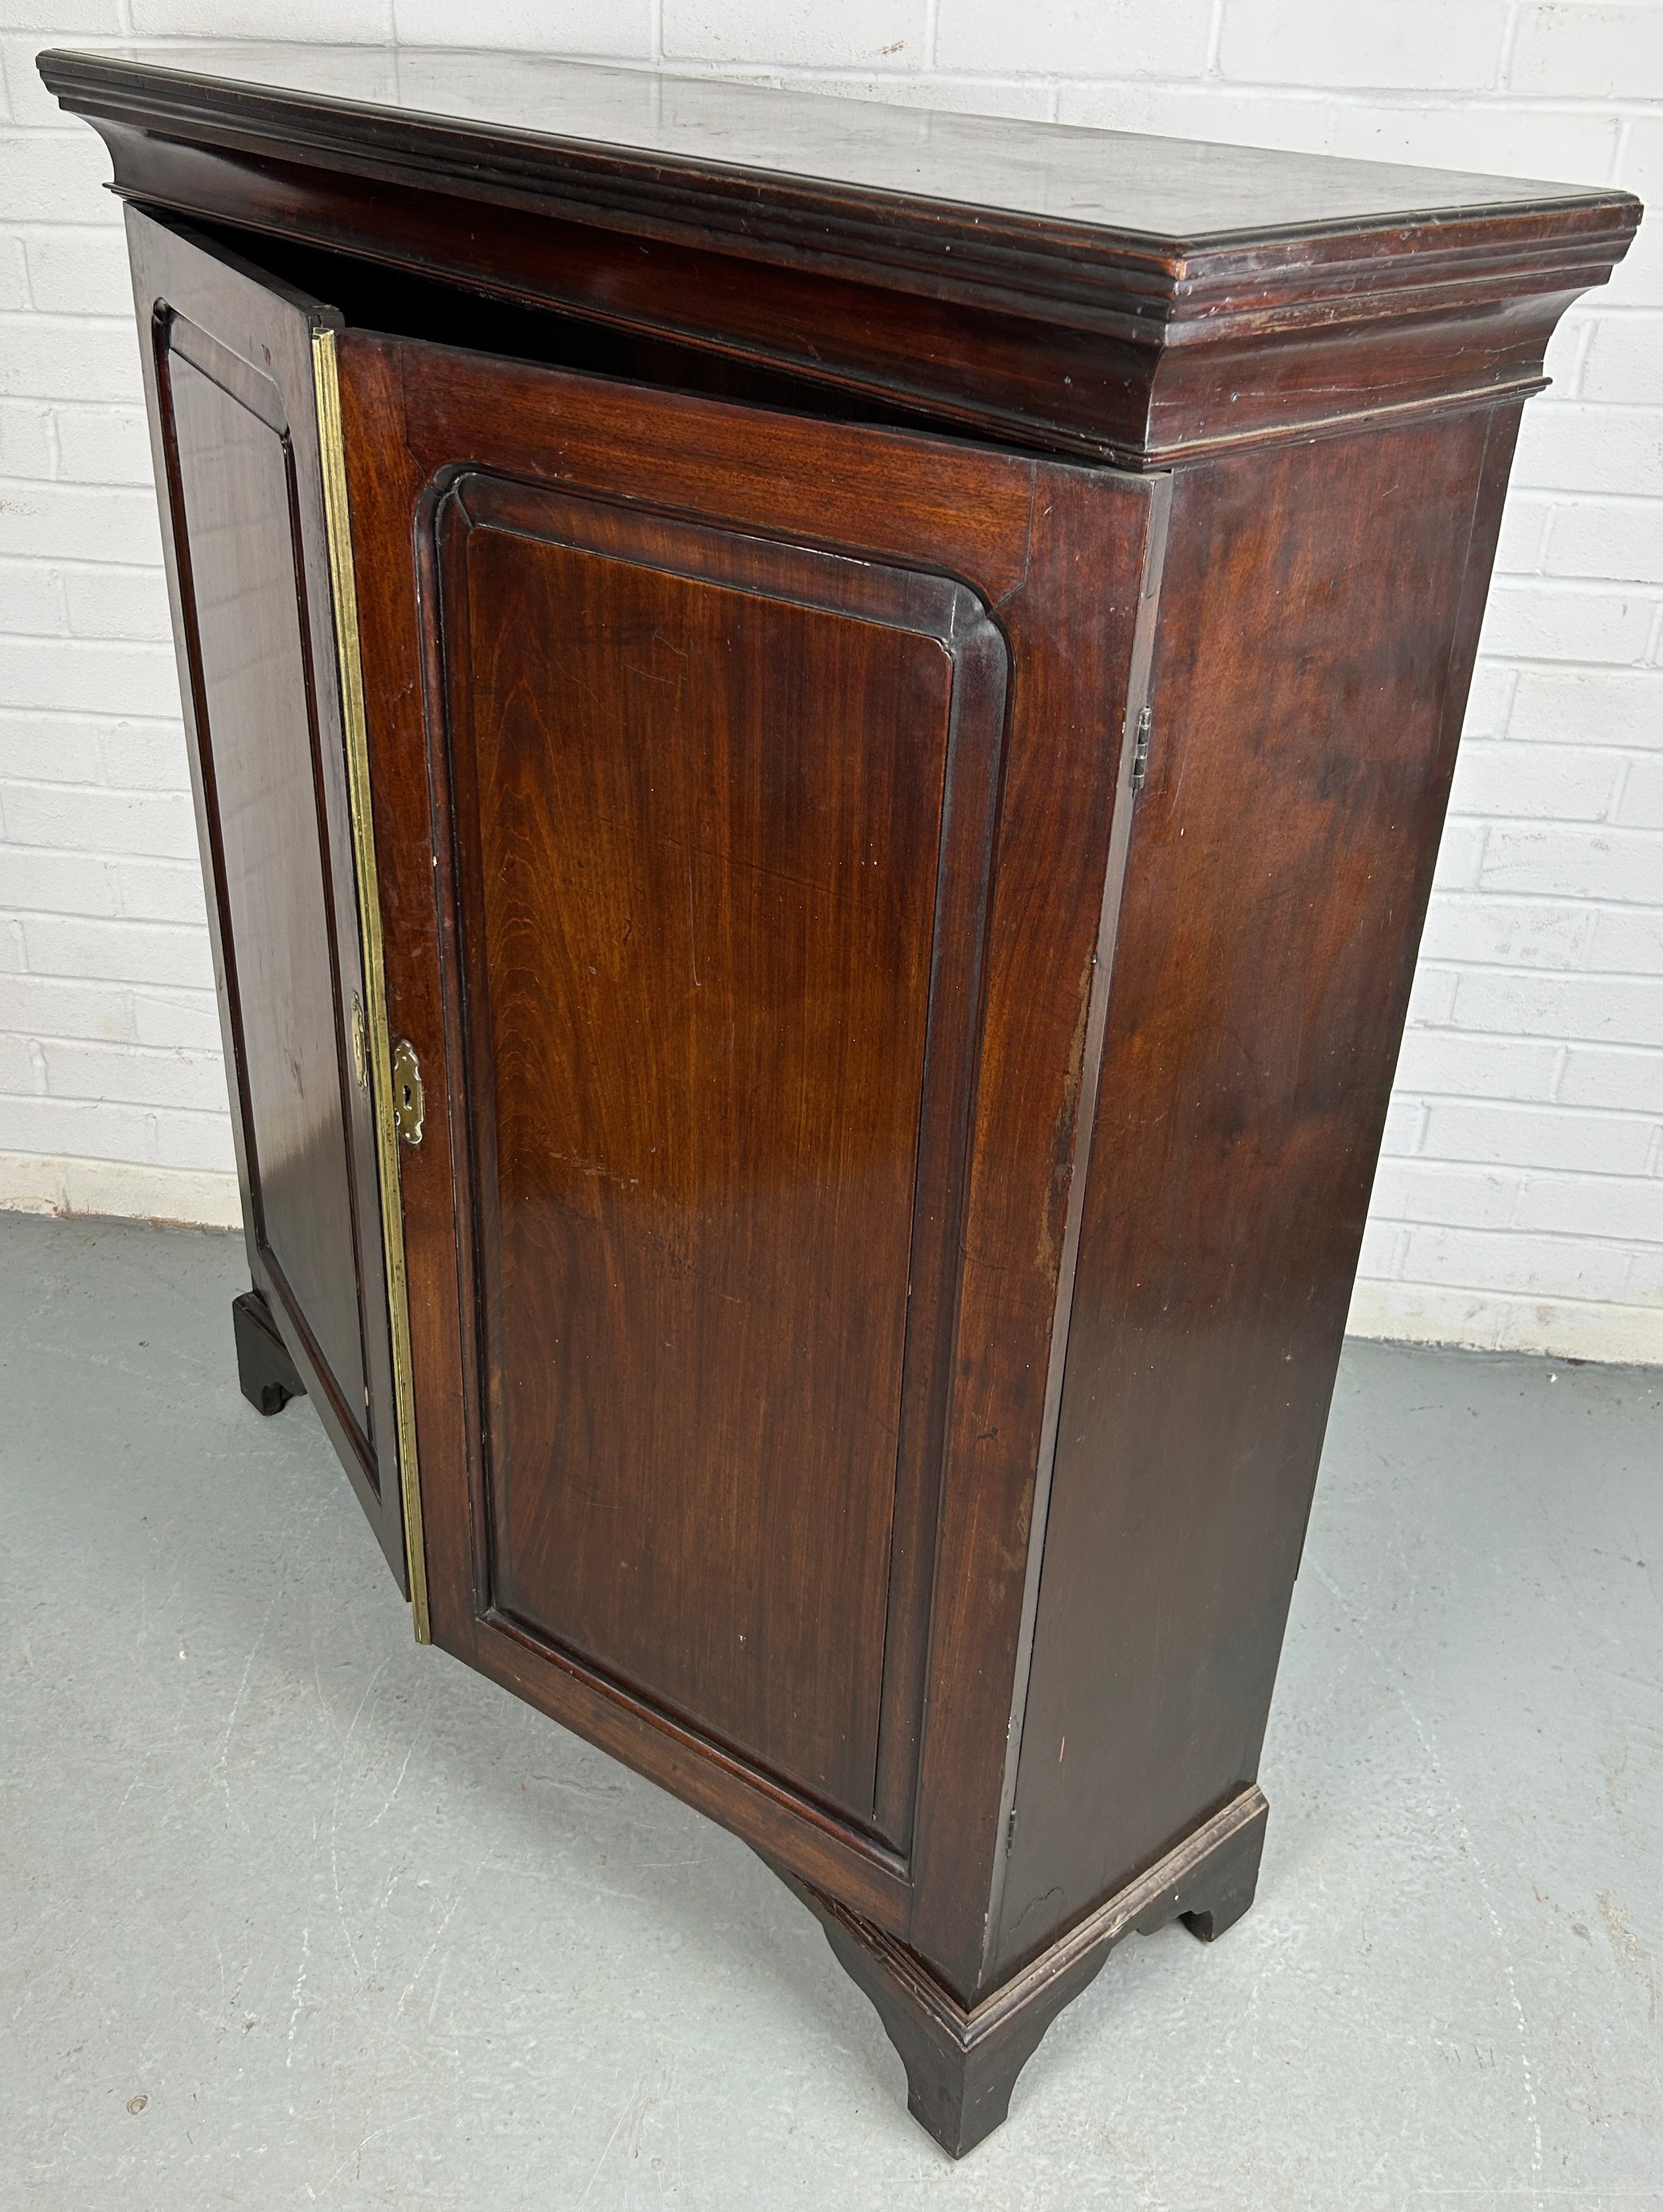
[[293, 1913]]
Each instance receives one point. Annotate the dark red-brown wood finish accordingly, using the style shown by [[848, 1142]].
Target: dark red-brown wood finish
[[911, 671], [228, 367], [797, 915], [1097, 291], [1320, 615]]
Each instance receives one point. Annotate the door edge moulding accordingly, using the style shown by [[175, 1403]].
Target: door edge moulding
[[383, 1092]]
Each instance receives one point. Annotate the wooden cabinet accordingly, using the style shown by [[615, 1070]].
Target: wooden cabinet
[[820, 736]]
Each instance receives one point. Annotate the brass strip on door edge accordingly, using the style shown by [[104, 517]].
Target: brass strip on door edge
[[354, 727]]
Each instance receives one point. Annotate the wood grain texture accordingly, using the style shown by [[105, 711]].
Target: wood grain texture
[[1058, 557], [700, 783], [227, 356], [1066, 801], [770, 161], [1131, 297], [233, 475], [1319, 620]]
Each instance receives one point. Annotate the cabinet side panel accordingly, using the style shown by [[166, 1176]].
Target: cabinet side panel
[[1320, 615], [1067, 793], [261, 766]]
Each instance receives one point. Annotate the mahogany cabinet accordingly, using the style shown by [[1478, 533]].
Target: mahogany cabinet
[[820, 734]]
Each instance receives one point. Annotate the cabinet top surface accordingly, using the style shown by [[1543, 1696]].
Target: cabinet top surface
[[529, 112]]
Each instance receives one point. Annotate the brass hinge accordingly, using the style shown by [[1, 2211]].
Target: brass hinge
[[360, 1043], [407, 1091], [384, 1090], [1140, 748]]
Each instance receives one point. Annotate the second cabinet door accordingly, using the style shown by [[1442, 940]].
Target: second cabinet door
[[703, 860], [231, 364]]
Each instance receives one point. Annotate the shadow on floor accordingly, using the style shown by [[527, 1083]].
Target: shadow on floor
[[293, 1911]]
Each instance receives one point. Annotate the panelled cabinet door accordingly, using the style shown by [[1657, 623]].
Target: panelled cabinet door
[[700, 783], [235, 363], [740, 808]]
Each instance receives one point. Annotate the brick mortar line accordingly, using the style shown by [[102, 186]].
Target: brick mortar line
[[114, 717], [1437, 1165], [1438, 965], [1583, 587], [95, 852], [1644, 1052], [1517, 1299], [1556, 1109], [1573, 822], [111, 921], [1573, 749], [85, 563], [1516, 662], [1569, 1236], [1560, 1109], [192, 1056], [207, 1115], [148, 994]]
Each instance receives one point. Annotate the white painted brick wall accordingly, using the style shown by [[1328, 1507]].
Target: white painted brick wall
[[1519, 1200]]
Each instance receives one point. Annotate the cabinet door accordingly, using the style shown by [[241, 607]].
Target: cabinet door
[[743, 919], [699, 784], [235, 365]]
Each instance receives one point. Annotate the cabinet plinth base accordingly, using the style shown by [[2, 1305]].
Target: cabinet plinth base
[[962, 2066], [265, 1369]]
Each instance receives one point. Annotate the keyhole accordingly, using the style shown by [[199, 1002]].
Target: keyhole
[[407, 1093]]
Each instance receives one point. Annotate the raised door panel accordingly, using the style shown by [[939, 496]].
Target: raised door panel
[[258, 742], [229, 357], [698, 783]]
